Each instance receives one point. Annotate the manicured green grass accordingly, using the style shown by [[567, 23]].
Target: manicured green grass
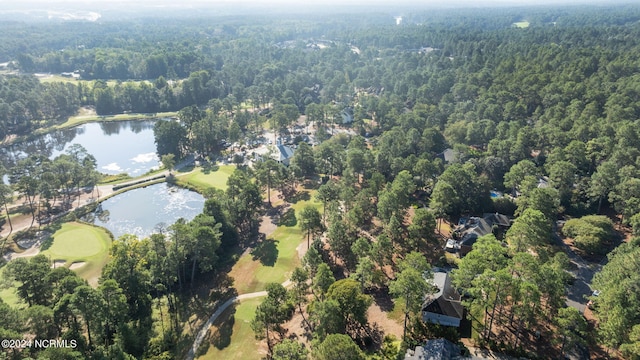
[[76, 242], [73, 242], [8, 292], [241, 343], [201, 179], [252, 275], [60, 78], [83, 119]]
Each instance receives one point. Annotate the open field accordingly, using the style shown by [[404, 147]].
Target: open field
[[521, 24], [231, 337], [48, 78], [202, 179], [274, 259]]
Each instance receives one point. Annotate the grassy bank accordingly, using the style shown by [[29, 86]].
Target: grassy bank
[[201, 179], [83, 119], [231, 336]]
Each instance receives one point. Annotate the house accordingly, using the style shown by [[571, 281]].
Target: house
[[347, 115], [469, 230], [448, 155], [283, 154], [444, 306], [436, 349], [280, 153]]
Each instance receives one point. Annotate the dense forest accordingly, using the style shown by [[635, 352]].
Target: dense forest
[[546, 113]]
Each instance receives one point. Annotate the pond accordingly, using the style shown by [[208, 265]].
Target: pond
[[141, 211], [121, 146]]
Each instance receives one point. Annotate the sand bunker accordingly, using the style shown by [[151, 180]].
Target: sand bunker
[[32, 251], [76, 265], [31, 246], [58, 263]]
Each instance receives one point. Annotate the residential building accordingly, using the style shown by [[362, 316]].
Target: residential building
[[444, 306]]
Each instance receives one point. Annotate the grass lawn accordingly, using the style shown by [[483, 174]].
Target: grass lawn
[[279, 258], [73, 242], [201, 179], [397, 313], [8, 292], [76, 242], [521, 24], [231, 336], [82, 119]]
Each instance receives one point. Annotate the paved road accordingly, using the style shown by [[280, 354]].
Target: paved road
[[583, 273]]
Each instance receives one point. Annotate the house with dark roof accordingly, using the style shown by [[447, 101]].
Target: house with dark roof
[[436, 349], [469, 230], [443, 307]]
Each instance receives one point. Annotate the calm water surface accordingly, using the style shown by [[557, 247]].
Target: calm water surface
[[139, 211], [123, 146]]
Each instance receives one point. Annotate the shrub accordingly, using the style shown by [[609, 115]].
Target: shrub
[[589, 233]]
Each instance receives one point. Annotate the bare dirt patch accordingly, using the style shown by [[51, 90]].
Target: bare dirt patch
[[87, 111], [302, 249], [267, 227], [379, 319], [297, 329]]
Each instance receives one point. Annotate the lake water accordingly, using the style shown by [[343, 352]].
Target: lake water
[[139, 211], [122, 146]]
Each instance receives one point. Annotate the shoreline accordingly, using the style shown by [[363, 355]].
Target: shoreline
[[107, 191], [78, 120]]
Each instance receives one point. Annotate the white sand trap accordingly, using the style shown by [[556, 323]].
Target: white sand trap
[[77, 265], [58, 263], [32, 251], [31, 246]]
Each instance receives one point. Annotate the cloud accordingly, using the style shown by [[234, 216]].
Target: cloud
[[145, 158], [112, 167]]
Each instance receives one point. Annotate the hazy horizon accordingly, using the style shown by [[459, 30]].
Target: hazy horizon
[[93, 10], [98, 4]]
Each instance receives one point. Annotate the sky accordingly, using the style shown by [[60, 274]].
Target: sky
[[8, 4], [109, 9]]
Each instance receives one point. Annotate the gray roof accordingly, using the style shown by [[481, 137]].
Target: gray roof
[[448, 155], [476, 227], [284, 152], [437, 349], [446, 301]]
